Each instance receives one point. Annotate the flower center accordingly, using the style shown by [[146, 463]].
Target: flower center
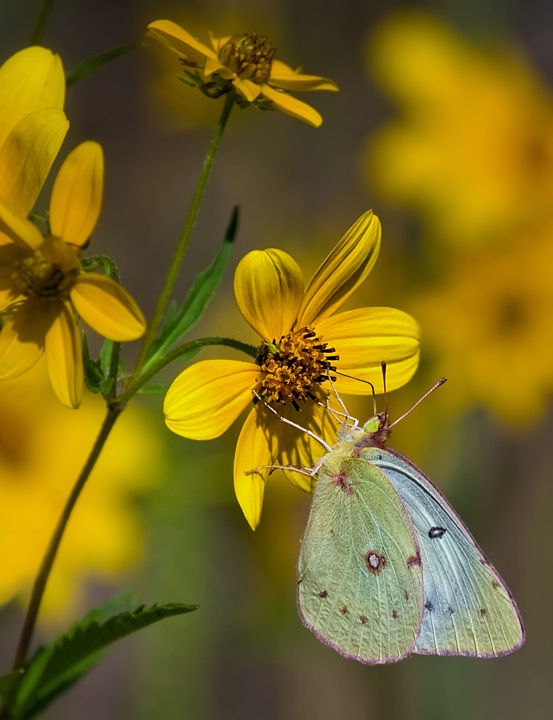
[[295, 367], [50, 271], [249, 55]]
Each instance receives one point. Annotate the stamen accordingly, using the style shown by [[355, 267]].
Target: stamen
[[249, 55], [294, 367]]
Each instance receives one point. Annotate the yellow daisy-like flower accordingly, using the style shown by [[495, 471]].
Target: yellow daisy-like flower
[[107, 538], [246, 63], [43, 291], [32, 124], [490, 326], [475, 136], [304, 343]]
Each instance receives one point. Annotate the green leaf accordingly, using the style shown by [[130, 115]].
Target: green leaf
[[93, 374], [178, 322], [157, 389], [92, 65], [57, 666]]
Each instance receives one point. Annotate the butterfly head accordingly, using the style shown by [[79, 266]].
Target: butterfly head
[[374, 433]]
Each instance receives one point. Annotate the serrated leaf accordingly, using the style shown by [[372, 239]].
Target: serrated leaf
[[203, 288], [58, 665]]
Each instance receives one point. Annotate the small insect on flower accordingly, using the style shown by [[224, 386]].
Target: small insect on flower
[[304, 343], [244, 63]]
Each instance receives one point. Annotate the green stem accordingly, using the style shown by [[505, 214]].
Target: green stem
[[55, 541], [182, 245], [149, 371], [43, 17]]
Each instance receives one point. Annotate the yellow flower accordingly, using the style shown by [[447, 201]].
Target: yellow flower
[[473, 147], [489, 328], [244, 62], [43, 448], [42, 291], [32, 124], [304, 343]]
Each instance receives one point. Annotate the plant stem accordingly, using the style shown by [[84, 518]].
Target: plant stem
[[184, 239], [55, 541], [43, 17]]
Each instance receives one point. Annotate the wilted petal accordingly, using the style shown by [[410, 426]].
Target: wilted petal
[[180, 41], [20, 230], [107, 307], [283, 76], [22, 339], [365, 338], [206, 398], [27, 156], [64, 356], [77, 194], [341, 273], [268, 286], [292, 106], [32, 79]]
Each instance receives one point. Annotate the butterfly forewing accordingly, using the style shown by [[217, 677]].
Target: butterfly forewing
[[468, 609], [360, 579]]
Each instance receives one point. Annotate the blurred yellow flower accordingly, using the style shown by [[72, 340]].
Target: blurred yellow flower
[[244, 62], [32, 124], [43, 447], [43, 292], [304, 343], [473, 148], [490, 329]]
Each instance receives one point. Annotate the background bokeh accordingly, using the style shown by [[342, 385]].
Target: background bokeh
[[444, 126]]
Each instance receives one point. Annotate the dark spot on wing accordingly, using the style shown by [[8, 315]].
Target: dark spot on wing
[[323, 594], [483, 612], [344, 610], [375, 562], [340, 480], [436, 532], [364, 619], [414, 560], [406, 595], [395, 614], [450, 610], [495, 584], [429, 605]]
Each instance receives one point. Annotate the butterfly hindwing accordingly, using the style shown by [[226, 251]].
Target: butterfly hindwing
[[360, 579], [468, 609]]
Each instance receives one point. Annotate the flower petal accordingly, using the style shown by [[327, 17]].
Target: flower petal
[[284, 77], [341, 273], [248, 89], [292, 106], [22, 339], [107, 307], [366, 337], [252, 451], [77, 194], [268, 286], [180, 41], [207, 397], [10, 254], [64, 356], [19, 229], [32, 79], [27, 156]]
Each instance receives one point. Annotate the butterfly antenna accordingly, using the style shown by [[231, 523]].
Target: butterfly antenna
[[440, 382], [383, 366]]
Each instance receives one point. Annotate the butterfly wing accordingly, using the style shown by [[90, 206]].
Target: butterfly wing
[[468, 609], [360, 580]]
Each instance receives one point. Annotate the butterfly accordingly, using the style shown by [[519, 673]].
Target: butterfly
[[387, 568]]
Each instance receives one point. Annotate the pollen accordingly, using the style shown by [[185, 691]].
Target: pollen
[[295, 367], [249, 55], [48, 272]]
